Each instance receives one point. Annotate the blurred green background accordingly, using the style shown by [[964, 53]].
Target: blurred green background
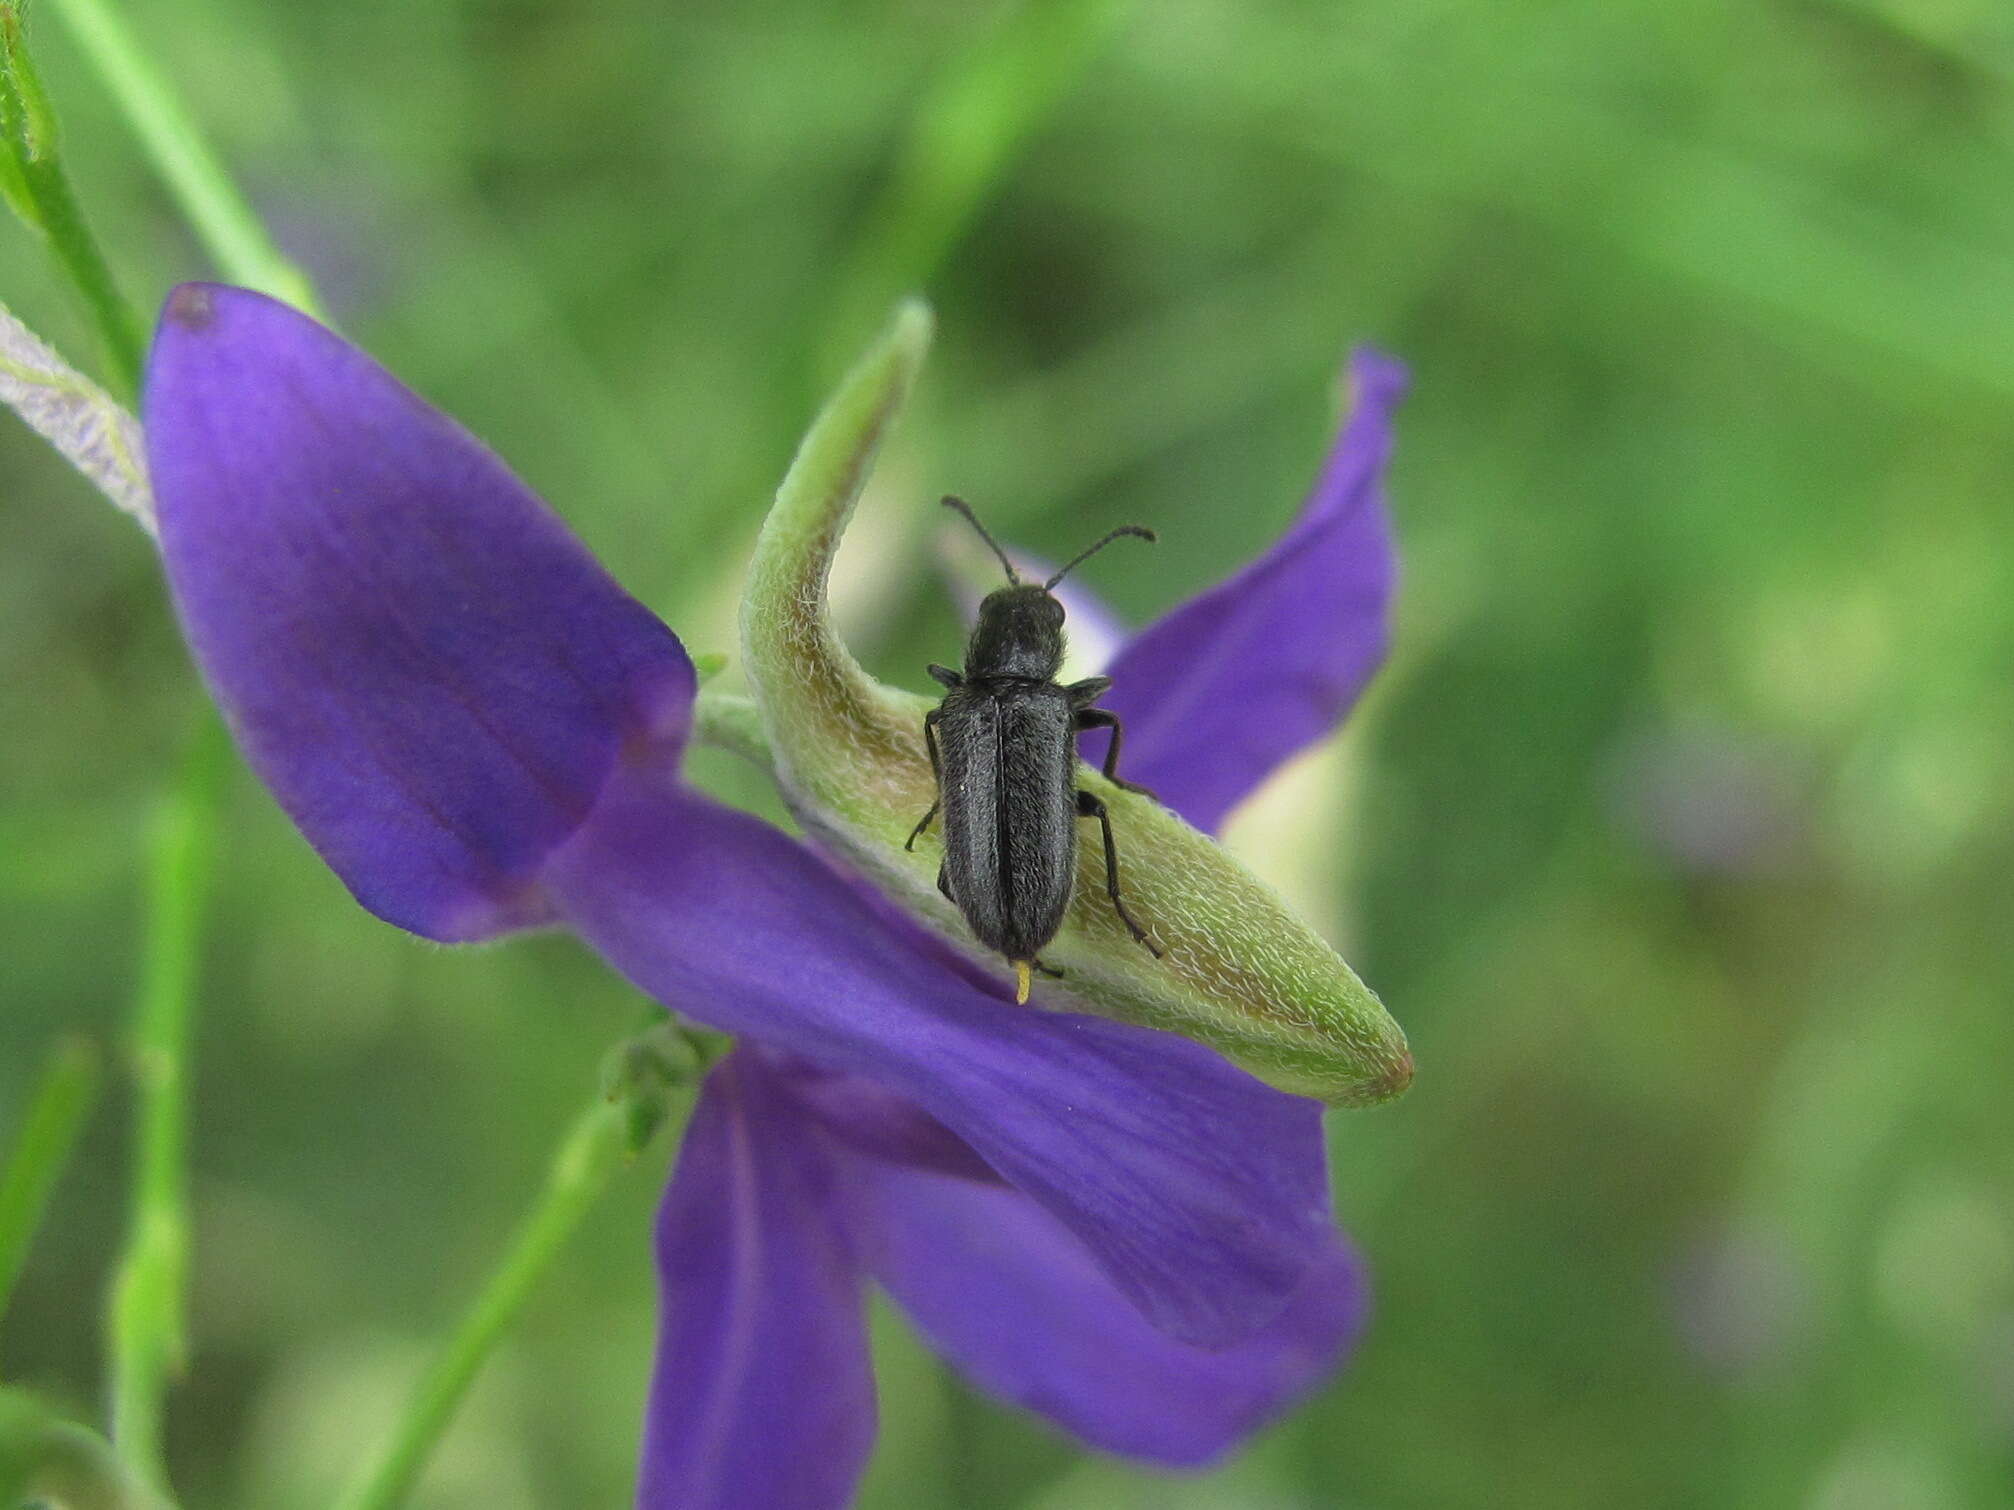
[[1677, 833]]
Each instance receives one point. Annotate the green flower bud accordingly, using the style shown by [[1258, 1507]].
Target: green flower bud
[[1240, 970]]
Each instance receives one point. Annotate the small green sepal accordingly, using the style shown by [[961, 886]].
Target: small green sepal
[[655, 1070]]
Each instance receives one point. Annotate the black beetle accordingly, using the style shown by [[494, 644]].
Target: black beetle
[[1003, 747]]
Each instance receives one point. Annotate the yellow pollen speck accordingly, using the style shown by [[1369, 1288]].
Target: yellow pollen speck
[[1020, 982]]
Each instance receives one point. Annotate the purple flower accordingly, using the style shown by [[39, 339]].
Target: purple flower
[[480, 732]]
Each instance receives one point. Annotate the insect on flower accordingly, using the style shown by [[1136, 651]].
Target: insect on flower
[[1003, 749], [481, 732]]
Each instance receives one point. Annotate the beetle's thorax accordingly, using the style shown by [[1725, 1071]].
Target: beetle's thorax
[[1020, 633]]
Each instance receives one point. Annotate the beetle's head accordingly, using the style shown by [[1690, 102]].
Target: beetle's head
[[1020, 633], [1020, 629]]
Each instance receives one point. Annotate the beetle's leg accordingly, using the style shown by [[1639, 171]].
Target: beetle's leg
[[1088, 691], [945, 675], [1049, 970], [936, 770], [944, 884], [921, 824], [1089, 806], [1105, 718]]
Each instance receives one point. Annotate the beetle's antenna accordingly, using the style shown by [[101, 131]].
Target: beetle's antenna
[[965, 508], [1125, 529]]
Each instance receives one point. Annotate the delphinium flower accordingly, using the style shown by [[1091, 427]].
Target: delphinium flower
[[480, 732]]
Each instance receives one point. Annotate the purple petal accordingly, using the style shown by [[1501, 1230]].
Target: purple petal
[[1201, 1191], [867, 1117], [433, 676], [1014, 1301], [1216, 694], [763, 1393]]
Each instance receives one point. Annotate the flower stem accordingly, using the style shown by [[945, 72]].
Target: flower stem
[[730, 721], [601, 1141], [147, 1335], [39, 190], [57, 1111], [227, 224]]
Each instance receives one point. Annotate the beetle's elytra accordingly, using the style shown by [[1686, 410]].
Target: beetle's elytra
[[1003, 746]]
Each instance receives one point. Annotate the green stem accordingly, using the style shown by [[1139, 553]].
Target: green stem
[[57, 1111], [732, 722], [600, 1143], [147, 1333], [40, 190], [227, 224]]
